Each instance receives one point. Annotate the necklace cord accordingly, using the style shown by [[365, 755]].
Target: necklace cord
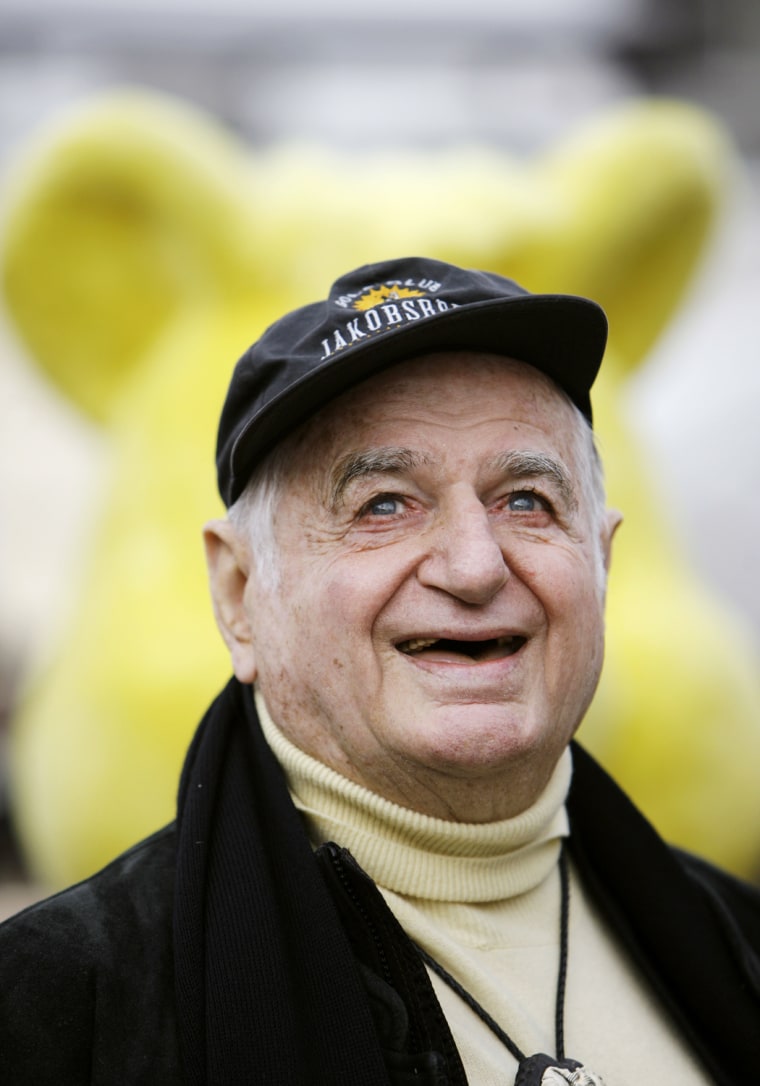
[[564, 943], [482, 1013], [473, 1004]]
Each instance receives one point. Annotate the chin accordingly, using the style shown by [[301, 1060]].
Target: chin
[[483, 737]]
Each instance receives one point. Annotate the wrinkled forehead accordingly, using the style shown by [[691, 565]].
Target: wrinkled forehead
[[446, 387]]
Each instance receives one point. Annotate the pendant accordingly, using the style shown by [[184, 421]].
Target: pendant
[[542, 1070]]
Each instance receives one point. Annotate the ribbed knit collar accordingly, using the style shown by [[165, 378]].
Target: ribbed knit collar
[[419, 856]]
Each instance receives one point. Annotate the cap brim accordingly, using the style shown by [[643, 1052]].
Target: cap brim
[[561, 335]]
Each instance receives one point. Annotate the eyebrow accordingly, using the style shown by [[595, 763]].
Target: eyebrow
[[393, 460], [383, 460], [521, 464]]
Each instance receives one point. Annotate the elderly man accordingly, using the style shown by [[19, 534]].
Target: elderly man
[[390, 863]]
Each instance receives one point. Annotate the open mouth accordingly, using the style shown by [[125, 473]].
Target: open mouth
[[496, 648]]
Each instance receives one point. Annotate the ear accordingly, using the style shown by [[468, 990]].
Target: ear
[[101, 182], [643, 185], [613, 518], [228, 558]]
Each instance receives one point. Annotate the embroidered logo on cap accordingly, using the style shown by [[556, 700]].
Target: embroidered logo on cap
[[383, 306], [387, 292]]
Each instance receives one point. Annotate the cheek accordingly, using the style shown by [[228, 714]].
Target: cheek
[[573, 602], [581, 643], [352, 597]]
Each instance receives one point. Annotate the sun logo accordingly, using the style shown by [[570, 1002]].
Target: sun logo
[[377, 295]]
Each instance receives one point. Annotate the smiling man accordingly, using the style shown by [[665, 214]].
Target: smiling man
[[391, 863], [434, 526]]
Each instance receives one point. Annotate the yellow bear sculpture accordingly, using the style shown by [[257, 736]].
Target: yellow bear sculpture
[[144, 248]]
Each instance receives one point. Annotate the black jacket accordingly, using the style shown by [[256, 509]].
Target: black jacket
[[221, 950]]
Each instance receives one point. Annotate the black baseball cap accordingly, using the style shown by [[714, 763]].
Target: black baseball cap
[[382, 314]]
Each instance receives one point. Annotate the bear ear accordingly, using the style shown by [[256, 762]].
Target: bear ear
[[639, 190], [121, 214]]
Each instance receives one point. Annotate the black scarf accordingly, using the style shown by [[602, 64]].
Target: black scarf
[[267, 989]]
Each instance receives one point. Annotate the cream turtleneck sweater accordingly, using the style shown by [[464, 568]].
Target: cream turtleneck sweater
[[484, 901]]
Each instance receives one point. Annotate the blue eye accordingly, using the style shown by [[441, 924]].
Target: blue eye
[[383, 506], [525, 501]]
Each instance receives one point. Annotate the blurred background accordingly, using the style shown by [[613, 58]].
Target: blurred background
[[361, 77]]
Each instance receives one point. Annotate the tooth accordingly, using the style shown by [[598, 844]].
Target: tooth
[[419, 643]]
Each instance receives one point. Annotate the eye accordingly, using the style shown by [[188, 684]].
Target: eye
[[383, 505], [526, 501]]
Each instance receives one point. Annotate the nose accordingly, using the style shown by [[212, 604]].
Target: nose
[[464, 557]]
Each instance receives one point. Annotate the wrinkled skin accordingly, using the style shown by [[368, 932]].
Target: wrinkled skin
[[436, 629]]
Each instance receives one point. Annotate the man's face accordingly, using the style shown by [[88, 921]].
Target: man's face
[[436, 632]]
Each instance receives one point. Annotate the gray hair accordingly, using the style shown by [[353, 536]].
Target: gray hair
[[593, 489], [253, 514]]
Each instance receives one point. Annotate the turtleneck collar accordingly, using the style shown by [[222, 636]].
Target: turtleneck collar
[[414, 854]]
